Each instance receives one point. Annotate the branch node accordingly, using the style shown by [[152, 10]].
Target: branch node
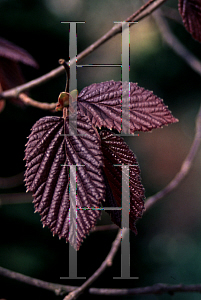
[[67, 69]]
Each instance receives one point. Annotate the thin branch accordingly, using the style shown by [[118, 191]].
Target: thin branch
[[76, 291], [14, 92], [67, 69], [175, 44], [186, 165], [173, 14], [140, 14], [59, 289], [104, 227], [195, 64], [157, 289], [42, 105], [12, 181], [15, 198], [18, 198], [106, 263]]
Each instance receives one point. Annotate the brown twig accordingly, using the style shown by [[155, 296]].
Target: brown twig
[[140, 14], [42, 105], [186, 165], [12, 181], [195, 64], [172, 13], [175, 44], [59, 289], [14, 92], [76, 291], [157, 289], [67, 69], [106, 263], [104, 227], [15, 198]]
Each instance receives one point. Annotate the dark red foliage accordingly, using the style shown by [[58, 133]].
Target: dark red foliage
[[98, 181], [10, 72], [190, 11], [102, 103], [46, 152], [15, 53], [116, 152]]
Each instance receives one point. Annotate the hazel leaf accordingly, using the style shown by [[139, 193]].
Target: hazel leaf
[[190, 11], [15, 53], [102, 103], [116, 154], [50, 154]]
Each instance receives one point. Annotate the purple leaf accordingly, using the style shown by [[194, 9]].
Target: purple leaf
[[10, 72], [102, 103], [116, 152], [52, 151], [46, 151], [11, 51], [190, 11]]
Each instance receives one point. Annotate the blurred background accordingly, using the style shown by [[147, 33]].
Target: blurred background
[[168, 245]]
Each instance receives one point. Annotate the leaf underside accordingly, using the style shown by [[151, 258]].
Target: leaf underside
[[190, 11], [46, 151], [102, 103], [116, 152]]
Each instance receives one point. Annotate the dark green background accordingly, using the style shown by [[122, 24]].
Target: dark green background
[[168, 245]]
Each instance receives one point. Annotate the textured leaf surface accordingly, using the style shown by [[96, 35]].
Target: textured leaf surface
[[46, 151], [116, 152], [190, 11], [102, 103]]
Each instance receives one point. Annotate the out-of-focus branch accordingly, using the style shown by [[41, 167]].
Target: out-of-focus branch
[[14, 92], [106, 263], [195, 64], [175, 44], [156, 289], [42, 105], [186, 165], [59, 289], [12, 181], [140, 14], [15, 198], [104, 227], [172, 13]]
